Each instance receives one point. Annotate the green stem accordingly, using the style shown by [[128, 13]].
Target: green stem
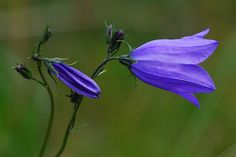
[[101, 66], [45, 84], [74, 115], [69, 126]]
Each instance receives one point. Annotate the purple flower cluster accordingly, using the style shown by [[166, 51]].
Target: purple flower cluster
[[172, 64], [169, 64]]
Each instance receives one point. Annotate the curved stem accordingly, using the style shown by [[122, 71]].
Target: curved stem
[[69, 126], [74, 115], [45, 84], [101, 66]]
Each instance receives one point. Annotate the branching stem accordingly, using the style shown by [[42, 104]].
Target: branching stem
[[74, 115]]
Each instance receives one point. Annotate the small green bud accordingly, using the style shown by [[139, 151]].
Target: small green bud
[[47, 34], [109, 33], [23, 71]]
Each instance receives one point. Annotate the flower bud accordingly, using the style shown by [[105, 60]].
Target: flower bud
[[119, 35], [47, 34], [73, 78], [23, 71], [109, 33], [116, 41]]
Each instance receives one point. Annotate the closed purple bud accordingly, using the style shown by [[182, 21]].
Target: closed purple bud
[[171, 64], [76, 80], [116, 41], [23, 71], [119, 35]]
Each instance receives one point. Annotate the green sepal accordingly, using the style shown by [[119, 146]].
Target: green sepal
[[102, 72], [126, 60], [48, 64], [49, 61]]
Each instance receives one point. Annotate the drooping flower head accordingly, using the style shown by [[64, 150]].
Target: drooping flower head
[[172, 64], [73, 78]]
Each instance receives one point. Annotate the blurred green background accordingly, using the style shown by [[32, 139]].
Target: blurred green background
[[126, 121]]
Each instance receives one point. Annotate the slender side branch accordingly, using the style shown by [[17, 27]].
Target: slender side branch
[[41, 83], [101, 66], [51, 109]]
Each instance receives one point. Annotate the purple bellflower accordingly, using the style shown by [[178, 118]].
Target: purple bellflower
[[73, 78], [172, 64]]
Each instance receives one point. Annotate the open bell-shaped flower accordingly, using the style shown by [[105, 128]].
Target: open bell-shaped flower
[[171, 64]]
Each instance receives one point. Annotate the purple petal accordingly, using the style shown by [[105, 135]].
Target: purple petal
[[174, 77], [202, 33], [76, 83], [76, 89], [81, 76], [187, 50], [190, 97]]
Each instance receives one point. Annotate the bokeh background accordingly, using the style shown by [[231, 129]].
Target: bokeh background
[[127, 121]]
